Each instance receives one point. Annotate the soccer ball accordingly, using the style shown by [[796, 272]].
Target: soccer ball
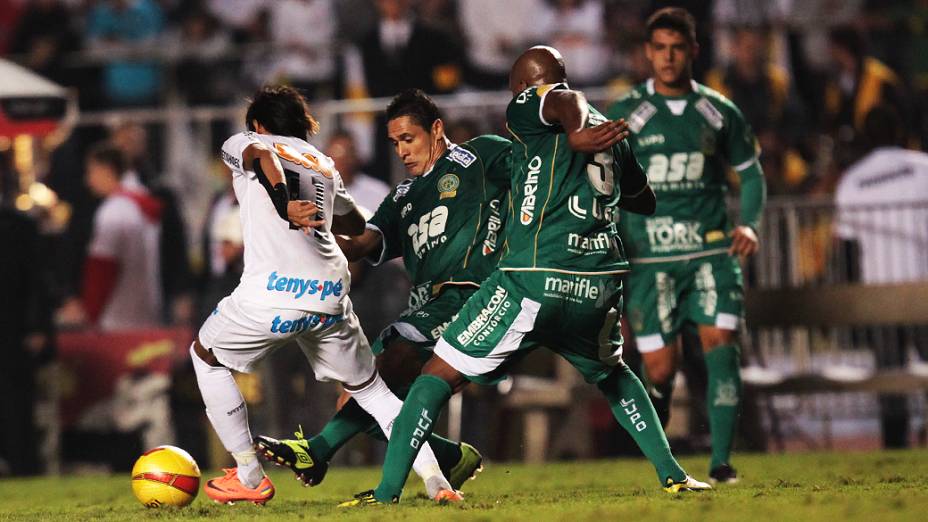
[[165, 476]]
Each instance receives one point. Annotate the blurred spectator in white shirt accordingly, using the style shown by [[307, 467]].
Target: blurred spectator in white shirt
[[494, 42], [303, 33], [577, 29], [882, 203]]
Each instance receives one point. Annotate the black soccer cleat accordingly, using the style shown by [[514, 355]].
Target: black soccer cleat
[[724, 474], [295, 454]]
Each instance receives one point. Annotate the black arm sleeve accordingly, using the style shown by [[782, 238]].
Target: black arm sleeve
[[278, 193]]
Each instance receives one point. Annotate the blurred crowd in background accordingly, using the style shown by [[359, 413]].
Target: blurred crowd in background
[[805, 73]]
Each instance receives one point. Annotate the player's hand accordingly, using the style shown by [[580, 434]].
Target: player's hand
[[302, 213], [599, 138], [743, 242]]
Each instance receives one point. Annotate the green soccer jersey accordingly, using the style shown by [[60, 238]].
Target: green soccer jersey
[[686, 145], [447, 223], [558, 221]]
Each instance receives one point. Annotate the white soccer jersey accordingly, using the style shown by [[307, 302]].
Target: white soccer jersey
[[285, 268]]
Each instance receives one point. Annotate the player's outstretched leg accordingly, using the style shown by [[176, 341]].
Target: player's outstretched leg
[[308, 459], [377, 399], [723, 400], [226, 410], [632, 408], [399, 363]]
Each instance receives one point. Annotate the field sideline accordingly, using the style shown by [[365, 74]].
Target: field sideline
[[817, 486]]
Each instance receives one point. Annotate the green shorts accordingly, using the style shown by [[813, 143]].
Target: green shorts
[[425, 325], [575, 316], [662, 296]]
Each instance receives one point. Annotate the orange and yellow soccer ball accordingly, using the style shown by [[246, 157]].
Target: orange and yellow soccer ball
[[165, 476]]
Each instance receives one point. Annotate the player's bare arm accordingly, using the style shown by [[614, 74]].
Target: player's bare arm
[[360, 246], [350, 224], [569, 109]]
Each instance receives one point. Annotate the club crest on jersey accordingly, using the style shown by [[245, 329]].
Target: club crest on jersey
[[462, 156], [710, 113], [640, 116], [527, 209], [448, 186]]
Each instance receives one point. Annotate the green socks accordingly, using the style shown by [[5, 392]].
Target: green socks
[[352, 420], [413, 425], [723, 399], [347, 422], [633, 409]]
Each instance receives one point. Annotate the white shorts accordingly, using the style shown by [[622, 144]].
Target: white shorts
[[240, 334]]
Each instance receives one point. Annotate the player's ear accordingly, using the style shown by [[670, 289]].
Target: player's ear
[[438, 130]]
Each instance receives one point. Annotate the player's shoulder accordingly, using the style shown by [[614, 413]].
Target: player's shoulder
[[630, 98], [718, 100], [483, 146]]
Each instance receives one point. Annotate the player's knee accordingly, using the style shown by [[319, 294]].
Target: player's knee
[[198, 351], [660, 371], [712, 338], [437, 367], [399, 364]]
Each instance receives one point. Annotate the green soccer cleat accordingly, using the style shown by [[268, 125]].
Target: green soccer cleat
[[687, 484], [467, 468], [296, 455], [363, 499]]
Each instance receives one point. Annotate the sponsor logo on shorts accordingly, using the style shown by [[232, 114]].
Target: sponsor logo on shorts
[[488, 319], [494, 224], [576, 290], [300, 287], [667, 235], [529, 189], [279, 325], [440, 329], [601, 242]]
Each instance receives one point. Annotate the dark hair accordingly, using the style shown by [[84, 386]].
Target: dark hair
[[883, 126], [850, 38], [110, 155], [675, 19], [283, 111], [415, 104]]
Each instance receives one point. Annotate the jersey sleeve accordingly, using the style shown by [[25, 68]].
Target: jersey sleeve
[[742, 151], [525, 114], [344, 202], [233, 149], [633, 179], [386, 222]]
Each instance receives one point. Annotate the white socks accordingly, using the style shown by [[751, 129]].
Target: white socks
[[377, 400], [226, 410]]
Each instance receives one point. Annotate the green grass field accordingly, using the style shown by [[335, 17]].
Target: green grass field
[[802, 487]]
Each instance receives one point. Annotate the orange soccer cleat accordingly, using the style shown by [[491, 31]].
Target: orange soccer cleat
[[228, 489], [449, 496]]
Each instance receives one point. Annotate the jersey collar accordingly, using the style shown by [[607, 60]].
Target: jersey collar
[[649, 85]]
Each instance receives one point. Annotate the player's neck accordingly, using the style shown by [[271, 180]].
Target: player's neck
[[441, 147], [682, 87]]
